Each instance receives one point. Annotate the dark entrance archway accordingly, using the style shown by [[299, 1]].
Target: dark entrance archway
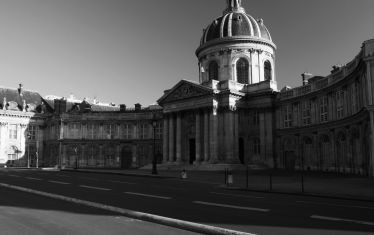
[[126, 157], [241, 150], [192, 144]]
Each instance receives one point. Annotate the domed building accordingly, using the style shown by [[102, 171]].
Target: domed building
[[227, 117]]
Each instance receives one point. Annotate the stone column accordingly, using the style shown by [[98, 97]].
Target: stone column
[[171, 138], [198, 138], [213, 131], [229, 136], [165, 140], [371, 159], [179, 138], [206, 136]]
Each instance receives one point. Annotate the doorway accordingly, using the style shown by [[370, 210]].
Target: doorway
[[241, 150], [192, 145], [126, 157]]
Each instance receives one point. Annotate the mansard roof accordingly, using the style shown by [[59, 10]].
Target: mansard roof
[[16, 98]]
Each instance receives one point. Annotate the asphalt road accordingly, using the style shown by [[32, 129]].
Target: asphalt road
[[201, 202]]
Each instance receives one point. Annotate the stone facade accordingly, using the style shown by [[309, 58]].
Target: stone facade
[[234, 114]]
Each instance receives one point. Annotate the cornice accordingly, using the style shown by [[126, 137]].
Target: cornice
[[233, 40]]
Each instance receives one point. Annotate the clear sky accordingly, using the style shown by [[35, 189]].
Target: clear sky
[[125, 51]]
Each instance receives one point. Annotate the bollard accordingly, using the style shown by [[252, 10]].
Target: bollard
[[230, 178], [184, 174]]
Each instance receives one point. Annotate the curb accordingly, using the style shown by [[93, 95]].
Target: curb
[[119, 173], [299, 194], [185, 225]]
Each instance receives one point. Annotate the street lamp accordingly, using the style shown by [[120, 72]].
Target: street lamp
[[76, 157], [154, 162], [28, 149]]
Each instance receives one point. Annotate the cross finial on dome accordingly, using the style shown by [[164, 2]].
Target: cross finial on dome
[[234, 6]]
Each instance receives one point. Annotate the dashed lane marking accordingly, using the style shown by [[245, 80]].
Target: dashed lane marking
[[337, 205], [15, 176], [121, 182], [341, 220], [148, 195], [92, 187], [232, 206], [236, 195], [58, 182], [32, 178], [186, 225]]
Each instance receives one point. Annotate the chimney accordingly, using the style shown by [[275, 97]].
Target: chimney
[[305, 77], [20, 89], [138, 107], [122, 107]]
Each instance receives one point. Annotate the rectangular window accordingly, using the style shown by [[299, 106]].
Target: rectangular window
[[159, 130], [323, 107], [52, 132], [126, 131], [256, 118], [339, 104], [306, 113], [90, 131], [74, 129], [256, 146], [287, 115], [109, 131], [143, 131], [33, 130], [13, 131]]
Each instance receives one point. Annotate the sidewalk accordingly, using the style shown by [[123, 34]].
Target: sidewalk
[[314, 184]]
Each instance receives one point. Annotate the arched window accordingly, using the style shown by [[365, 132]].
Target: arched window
[[242, 71], [213, 70], [267, 70]]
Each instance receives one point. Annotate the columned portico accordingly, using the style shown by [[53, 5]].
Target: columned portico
[[198, 137], [171, 138], [179, 138], [206, 135]]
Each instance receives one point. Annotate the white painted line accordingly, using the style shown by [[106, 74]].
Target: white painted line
[[236, 195], [15, 176], [232, 206], [32, 178], [58, 182], [148, 195], [121, 182], [337, 205], [186, 225], [91, 187], [341, 220]]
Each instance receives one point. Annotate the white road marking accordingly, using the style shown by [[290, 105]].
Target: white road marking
[[148, 195], [91, 187], [236, 195], [32, 178], [58, 182], [338, 205], [121, 182], [15, 176], [341, 220], [63, 175], [232, 206]]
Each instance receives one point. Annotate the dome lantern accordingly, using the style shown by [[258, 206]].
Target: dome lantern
[[234, 6]]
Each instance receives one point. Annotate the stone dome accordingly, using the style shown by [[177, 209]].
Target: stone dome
[[236, 23]]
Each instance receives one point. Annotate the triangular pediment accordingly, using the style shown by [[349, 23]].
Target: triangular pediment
[[184, 90]]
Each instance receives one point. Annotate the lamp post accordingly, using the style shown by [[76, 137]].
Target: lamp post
[[76, 157], [28, 150], [154, 162]]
